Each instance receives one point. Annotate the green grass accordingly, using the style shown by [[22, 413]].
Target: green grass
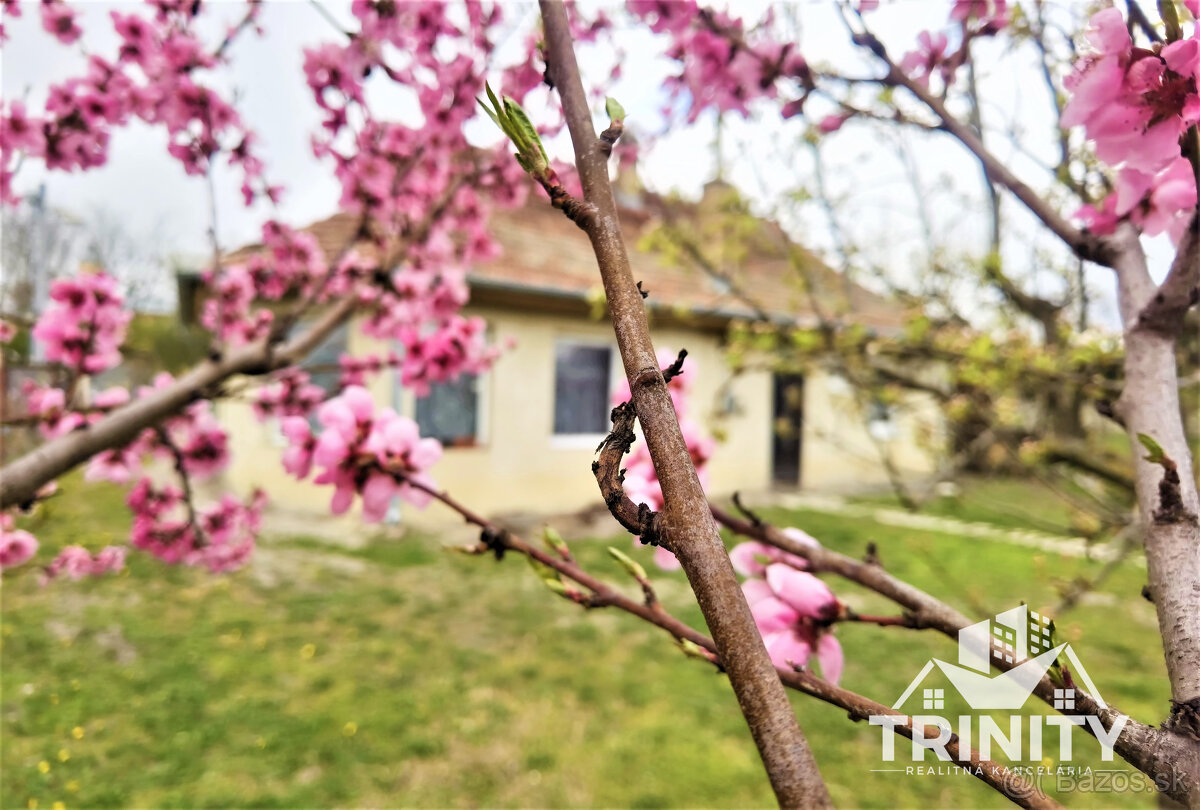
[[401, 675], [1054, 506]]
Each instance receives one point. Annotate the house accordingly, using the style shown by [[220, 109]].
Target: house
[[521, 438]]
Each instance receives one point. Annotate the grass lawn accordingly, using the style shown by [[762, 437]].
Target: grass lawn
[[1011, 503], [401, 675]]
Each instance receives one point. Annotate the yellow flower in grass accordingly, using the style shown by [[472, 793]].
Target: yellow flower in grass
[[63, 755], [77, 732], [73, 786], [59, 806], [308, 651], [350, 729], [44, 766]]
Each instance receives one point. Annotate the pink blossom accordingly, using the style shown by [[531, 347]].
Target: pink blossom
[[1161, 203], [1134, 104], [793, 611], [16, 545], [7, 332], [291, 394], [832, 123], [75, 562], [120, 465], [929, 56], [85, 324], [376, 454], [298, 458], [59, 19], [751, 558], [1102, 220], [991, 15]]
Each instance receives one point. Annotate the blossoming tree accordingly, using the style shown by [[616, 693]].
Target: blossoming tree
[[422, 195]]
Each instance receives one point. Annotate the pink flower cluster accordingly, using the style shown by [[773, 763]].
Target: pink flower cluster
[[291, 263], [17, 546], [221, 538], [84, 326], [933, 55], [54, 418], [76, 562], [641, 482], [291, 393], [792, 608], [375, 454], [1135, 104], [193, 441], [152, 78], [714, 72]]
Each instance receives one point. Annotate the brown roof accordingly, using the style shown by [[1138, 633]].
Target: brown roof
[[546, 261]]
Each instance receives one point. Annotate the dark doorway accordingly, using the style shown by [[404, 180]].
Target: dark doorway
[[787, 429]]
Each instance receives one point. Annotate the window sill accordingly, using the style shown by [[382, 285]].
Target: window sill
[[576, 441]]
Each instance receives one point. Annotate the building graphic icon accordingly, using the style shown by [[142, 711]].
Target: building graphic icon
[[1017, 641]]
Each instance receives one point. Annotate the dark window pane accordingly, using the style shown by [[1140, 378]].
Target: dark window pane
[[323, 360], [581, 395], [449, 413]]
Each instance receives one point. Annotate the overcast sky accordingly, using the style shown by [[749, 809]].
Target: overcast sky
[[149, 191]]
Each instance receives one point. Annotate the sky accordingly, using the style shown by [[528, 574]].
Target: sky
[[150, 194]]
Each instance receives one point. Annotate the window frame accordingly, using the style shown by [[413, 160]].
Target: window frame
[[480, 437], [577, 441], [404, 401]]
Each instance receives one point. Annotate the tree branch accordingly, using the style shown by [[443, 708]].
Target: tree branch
[[1084, 244], [686, 521], [1150, 406], [1180, 290]]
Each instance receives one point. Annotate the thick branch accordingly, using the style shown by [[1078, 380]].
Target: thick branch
[[1180, 290], [20, 480], [686, 520], [1150, 405]]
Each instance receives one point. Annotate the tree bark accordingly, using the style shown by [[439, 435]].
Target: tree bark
[[686, 520], [1150, 405]]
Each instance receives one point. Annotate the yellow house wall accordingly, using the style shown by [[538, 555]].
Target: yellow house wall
[[520, 466], [839, 455]]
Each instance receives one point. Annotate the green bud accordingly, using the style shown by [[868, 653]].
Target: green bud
[[1170, 17], [555, 542], [548, 576], [630, 565], [1156, 454], [616, 113]]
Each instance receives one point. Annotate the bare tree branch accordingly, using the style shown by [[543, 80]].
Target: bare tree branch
[[686, 521]]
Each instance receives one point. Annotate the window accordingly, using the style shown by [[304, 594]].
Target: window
[[450, 413], [323, 360], [1064, 699], [880, 423], [933, 699], [582, 386]]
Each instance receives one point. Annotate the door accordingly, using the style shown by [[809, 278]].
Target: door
[[787, 429]]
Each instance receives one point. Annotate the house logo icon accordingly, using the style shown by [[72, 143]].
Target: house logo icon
[[1018, 640], [1020, 643]]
